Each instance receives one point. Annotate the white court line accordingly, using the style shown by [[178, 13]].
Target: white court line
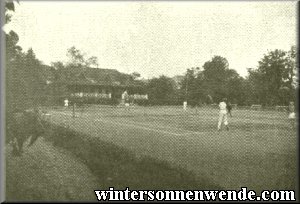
[[138, 125]]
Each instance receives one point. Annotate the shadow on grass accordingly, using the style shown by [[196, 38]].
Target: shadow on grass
[[118, 167]]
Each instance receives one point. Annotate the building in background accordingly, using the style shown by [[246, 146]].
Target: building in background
[[91, 85]]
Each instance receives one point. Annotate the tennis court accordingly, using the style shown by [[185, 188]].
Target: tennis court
[[258, 152]]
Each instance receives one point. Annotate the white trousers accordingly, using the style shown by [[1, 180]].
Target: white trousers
[[222, 118]]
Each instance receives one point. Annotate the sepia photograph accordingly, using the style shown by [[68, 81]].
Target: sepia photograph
[[149, 101]]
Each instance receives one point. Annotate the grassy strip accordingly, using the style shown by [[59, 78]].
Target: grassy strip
[[119, 168]]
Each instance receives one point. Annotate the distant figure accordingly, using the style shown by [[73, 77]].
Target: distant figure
[[223, 114], [292, 115], [66, 101], [184, 105], [229, 108], [125, 97]]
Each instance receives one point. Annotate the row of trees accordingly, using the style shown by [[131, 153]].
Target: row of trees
[[77, 62], [23, 77], [274, 82]]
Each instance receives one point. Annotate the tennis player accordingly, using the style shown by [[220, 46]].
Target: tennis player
[[223, 114], [229, 108], [66, 101], [292, 115]]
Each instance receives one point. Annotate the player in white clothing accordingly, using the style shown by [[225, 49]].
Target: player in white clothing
[[66, 102], [223, 114], [292, 115]]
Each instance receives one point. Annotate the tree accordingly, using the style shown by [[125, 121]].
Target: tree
[[272, 67], [214, 77], [92, 62], [59, 71], [12, 49], [57, 65], [274, 81], [276, 70], [12, 62], [77, 63], [22, 73], [161, 91], [234, 87], [212, 83], [9, 6], [290, 73], [12, 38], [192, 87], [76, 57], [135, 75], [284, 94], [254, 87], [33, 76]]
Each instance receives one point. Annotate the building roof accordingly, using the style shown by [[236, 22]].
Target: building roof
[[89, 76]]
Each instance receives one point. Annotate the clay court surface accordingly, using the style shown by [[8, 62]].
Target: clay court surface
[[258, 152]]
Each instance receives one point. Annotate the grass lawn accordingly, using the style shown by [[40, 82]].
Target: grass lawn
[[154, 148], [259, 151]]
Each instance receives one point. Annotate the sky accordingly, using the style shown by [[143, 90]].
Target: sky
[[159, 37]]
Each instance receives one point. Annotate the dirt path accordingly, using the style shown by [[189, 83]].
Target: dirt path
[[45, 172]]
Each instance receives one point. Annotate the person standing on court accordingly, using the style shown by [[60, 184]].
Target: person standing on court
[[229, 108], [125, 97], [223, 114], [66, 103], [292, 115]]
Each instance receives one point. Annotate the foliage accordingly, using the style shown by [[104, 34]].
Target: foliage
[[273, 82], [192, 87], [76, 64], [24, 83], [211, 83], [92, 62], [161, 91], [22, 73], [78, 59], [9, 6], [135, 75]]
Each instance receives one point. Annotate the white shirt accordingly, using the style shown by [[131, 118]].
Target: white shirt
[[66, 102], [222, 106]]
